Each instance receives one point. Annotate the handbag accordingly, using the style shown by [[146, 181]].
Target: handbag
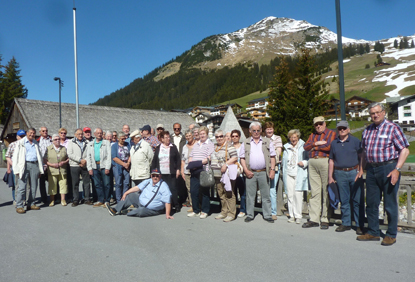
[[206, 176]]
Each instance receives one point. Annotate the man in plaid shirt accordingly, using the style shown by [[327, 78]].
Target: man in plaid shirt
[[318, 146], [386, 150], [145, 133]]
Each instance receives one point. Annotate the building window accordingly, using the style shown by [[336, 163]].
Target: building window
[[406, 107], [407, 114], [405, 122]]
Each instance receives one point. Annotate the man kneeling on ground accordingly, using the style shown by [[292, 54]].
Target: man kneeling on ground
[[153, 200]]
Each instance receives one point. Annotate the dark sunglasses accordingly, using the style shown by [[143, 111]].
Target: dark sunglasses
[[219, 136], [177, 128], [235, 136], [341, 128], [318, 123], [155, 175]]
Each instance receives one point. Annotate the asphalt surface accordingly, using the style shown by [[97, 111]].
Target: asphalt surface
[[87, 244]]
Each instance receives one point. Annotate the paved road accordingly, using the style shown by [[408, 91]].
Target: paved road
[[87, 244]]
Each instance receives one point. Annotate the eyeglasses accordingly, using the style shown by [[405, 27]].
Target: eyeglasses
[[219, 136], [341, 128], [155, 175], [177, 128], [62, 133], [256, 130], [318, 124], [375, 113], [44, 130], [55, 140], [235, 136]]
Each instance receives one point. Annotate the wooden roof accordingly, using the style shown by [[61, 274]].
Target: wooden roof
[[35, 113]]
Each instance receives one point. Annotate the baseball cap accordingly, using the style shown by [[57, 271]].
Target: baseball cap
[[343, 123], [318, 119], [86, 129], [155, 171], [159, 125], [146, 127], [21, 132]]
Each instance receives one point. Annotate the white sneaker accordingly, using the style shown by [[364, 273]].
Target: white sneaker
[[298, 221], [291, 220], [192, 214], [220, 216], [203, 215], [241, 214], [228, 219]]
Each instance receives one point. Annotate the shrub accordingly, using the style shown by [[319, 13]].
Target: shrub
[[403, 198], [367, 66]]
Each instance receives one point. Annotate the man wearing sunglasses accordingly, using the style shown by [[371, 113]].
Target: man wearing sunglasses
[[318, 147], [343, 168], [153, 200]]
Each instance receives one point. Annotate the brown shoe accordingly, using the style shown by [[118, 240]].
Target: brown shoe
[[33, 207], [190, 210], [89, 203], [367, 237], [388, 241], [274, 217], [20, 210], [98, 204]]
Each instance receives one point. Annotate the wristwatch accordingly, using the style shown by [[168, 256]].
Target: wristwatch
[[272, 169], [398, 169]]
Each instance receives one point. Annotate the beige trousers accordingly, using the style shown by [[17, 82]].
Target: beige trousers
[[53, 184], [228, 204], [318, 177], [187, 181]]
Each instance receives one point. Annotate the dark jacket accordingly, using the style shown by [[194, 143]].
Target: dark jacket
[[182, 142], [175, 159]]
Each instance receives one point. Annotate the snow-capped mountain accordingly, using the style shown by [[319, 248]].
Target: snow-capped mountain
[[259, 43]]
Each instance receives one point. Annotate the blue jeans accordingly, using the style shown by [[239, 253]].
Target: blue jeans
[[377, 183], [350, 192], [273, 192], [240, 187], [102, 184], [122, 182], [195, 189]]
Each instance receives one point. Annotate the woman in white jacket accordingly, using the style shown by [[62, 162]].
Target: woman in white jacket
[[141, 156], [295, 174]]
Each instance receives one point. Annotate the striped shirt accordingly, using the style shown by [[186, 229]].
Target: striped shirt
[[43, 144], [322, 150], [219, 158], [202, 150], [383, 142]]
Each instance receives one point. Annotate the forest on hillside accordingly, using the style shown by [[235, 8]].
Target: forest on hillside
[[192, 86]]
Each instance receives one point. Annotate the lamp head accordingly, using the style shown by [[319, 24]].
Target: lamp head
[[56, 78]]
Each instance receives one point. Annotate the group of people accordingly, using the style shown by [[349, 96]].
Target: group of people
[[165, 171]]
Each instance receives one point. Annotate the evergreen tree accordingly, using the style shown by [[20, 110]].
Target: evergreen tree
[[412, 44], [367, 48], [280, 99], [11, 88], [401, 44], [296, 100], [395, 43], [310, 94], [361, 49]]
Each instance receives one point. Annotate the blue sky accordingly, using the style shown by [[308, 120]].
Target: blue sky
[[119, 41]]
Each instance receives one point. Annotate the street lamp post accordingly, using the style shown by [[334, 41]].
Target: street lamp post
[[60, 104], [340, 60]]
